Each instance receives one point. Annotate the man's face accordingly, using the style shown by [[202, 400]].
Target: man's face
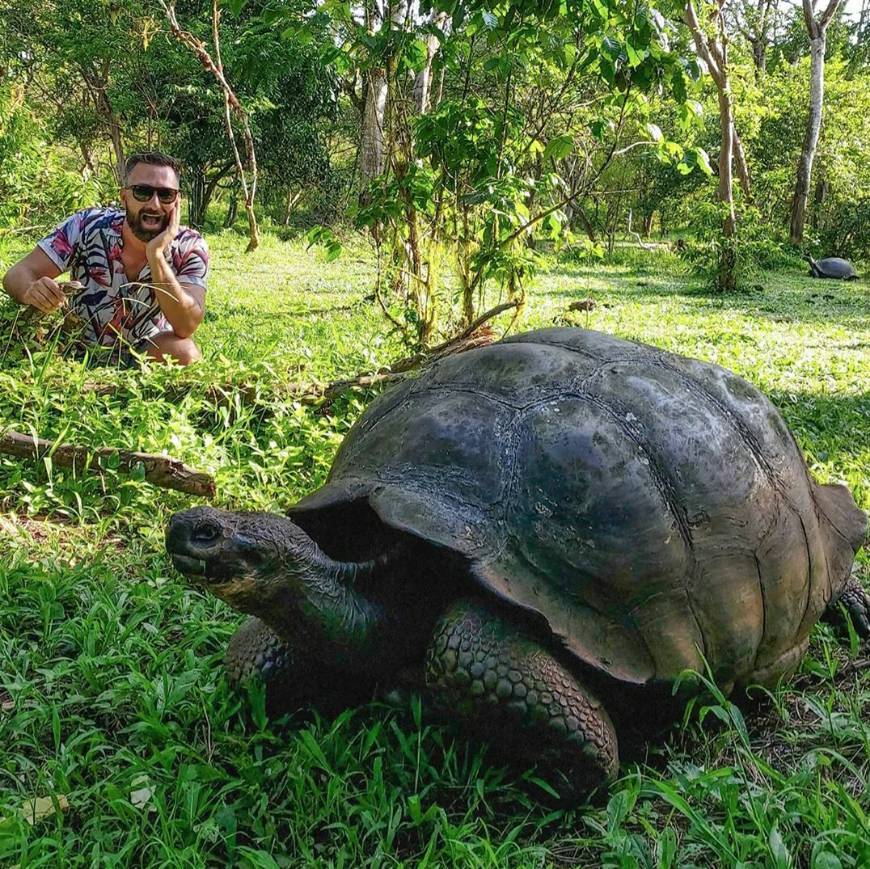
[[148, 219]]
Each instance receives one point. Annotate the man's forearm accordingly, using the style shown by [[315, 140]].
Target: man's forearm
[[17, 281], [183, 312]]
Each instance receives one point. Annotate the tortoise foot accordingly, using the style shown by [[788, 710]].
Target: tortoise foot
[[292, 680], [509, 690], [856, 600]]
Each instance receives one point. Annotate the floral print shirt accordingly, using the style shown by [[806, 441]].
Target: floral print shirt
[[89, 245]]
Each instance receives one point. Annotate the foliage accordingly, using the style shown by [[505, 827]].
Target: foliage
[[752, 250], [37, 187], [842, 186]]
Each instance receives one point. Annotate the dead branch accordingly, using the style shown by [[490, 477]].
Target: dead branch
[[163, 471], [231, 101]]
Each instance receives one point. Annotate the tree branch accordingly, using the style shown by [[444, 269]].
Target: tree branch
[[163, 471], [231, 101]]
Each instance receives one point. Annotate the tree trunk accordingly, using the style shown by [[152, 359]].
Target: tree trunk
[[233, 209], [196, 198], [811, 138], [88, 169], [759, 56], [371, 138], [97, 82], [231, 104], [758, 16], [714, 52], [647, 224], [742, 167], [726, 279], [817, 30], [118, 148], [371, 156], [423, 81], [290, 201]]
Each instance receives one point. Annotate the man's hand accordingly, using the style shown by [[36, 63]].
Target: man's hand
[[161, 242], [44, 294]]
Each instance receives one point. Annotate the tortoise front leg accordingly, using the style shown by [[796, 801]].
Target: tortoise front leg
[[292, 679], [514, 693], [856, 600]]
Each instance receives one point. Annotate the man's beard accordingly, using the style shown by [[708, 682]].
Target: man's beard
[[140, 231]]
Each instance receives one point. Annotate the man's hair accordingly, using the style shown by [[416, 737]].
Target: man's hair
[[152, 158]]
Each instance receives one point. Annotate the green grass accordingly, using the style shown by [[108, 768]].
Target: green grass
[[111, 692]]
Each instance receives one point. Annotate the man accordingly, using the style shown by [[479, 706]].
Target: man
[[144, 276]]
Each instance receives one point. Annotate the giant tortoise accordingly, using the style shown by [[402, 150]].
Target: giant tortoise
[[549, 530], [833, 267]]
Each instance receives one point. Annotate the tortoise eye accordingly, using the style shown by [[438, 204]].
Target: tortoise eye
[[206, 532]]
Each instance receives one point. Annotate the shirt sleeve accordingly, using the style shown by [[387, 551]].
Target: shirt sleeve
[[190, 260], [61, 243]]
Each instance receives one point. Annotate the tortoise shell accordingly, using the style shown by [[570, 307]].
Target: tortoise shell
[[649, 508], [833, 267]]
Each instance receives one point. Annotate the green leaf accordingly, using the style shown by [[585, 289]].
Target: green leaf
[[559, 148], [655, 132], [778, 849], [702, 161], [600, 9], [235, 6], [256, 859], [826, 860], [598, 127]]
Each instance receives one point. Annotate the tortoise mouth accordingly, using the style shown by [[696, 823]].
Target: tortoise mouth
[[206, 572], [189, 566]]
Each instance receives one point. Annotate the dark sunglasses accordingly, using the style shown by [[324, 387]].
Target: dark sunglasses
[[144, 192]]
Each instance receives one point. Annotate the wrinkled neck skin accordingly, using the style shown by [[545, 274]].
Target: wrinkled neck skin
[[310, 600]]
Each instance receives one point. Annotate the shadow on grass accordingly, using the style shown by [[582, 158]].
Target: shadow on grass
[[776, 296]]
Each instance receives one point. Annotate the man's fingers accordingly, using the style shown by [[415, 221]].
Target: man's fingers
[[49, 299], [46, 295], [51, 289], [42, 302]]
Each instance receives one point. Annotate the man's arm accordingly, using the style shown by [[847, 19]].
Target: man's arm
[[31, 282], [182, 304]]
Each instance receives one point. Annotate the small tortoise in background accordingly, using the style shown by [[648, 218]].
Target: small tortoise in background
[[833, 267], [550, 529]]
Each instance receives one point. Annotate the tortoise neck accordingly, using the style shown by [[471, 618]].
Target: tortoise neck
[[322, 609]]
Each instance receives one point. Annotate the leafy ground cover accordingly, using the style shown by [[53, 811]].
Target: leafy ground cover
[[120, 742]]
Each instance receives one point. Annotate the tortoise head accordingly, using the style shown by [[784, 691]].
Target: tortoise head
[[265, 565], [243, 558]]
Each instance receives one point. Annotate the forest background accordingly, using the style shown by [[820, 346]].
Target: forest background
[[459, 136]]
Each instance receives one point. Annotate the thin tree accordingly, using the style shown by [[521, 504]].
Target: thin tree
[[423, 81], [712, 48], [754, 20], [371, 149], [231, 104], [817, 28]]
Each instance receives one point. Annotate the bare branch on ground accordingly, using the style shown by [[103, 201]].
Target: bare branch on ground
[[163, 471]]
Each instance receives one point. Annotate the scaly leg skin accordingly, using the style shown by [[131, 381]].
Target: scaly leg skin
[[856, 600], [514, 693], [292, 680]]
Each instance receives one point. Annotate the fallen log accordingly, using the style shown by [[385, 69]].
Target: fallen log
[[163, 471]]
